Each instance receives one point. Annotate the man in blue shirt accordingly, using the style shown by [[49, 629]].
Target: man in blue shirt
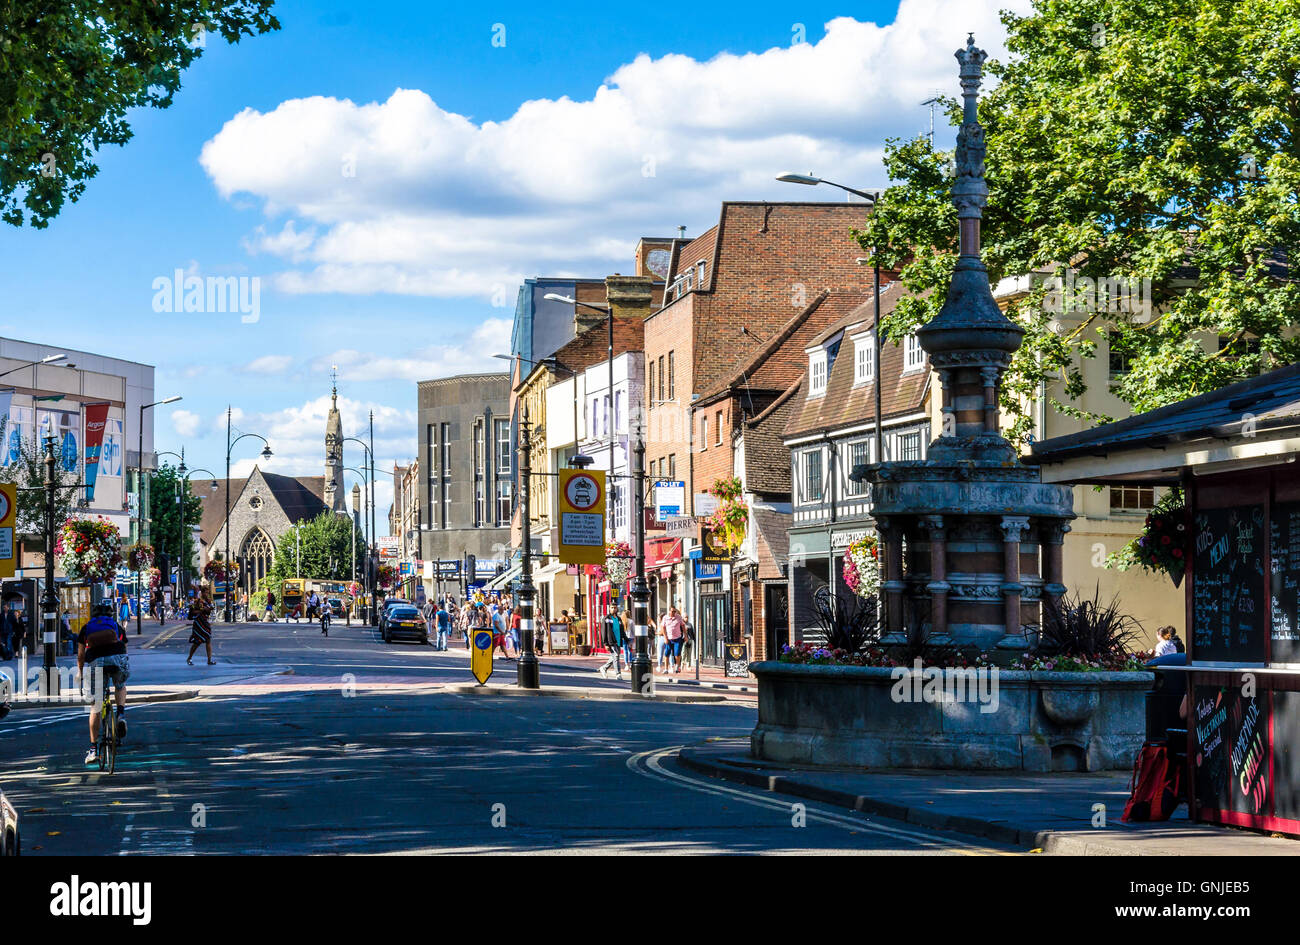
[[102, 642], [442, 621]]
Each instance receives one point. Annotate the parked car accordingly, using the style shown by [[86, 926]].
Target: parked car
[[388, 604], [10, 841], [403, 620]]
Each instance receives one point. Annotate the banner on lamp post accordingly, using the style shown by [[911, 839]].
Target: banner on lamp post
[[96, 423]]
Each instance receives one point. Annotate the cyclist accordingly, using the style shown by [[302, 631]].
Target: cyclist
[[324, 607], [102, 642]]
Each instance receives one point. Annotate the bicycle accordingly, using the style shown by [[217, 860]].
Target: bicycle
[[325, 621], [108, 718]]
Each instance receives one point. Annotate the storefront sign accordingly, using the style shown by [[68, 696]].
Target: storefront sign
[[96, 422], [682, 526], [662, 552], [713, 551], [388, 547], [707, 571], [705, 504], [844, 539], [582, 516], [737, 663]]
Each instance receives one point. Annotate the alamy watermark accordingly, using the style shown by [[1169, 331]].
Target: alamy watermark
[[210, 294], [935, 684], [1113, 294]]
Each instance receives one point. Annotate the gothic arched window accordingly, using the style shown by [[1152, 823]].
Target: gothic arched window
[[258, 553]]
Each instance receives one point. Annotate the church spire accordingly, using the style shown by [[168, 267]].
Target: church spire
[[335, 499]]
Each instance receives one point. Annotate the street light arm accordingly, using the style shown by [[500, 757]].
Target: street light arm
[[259, 436]]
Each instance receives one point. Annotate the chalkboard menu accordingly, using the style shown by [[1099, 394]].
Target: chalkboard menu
[[1228, 584], [1284, 584], [1233, 754], [1286, 754]]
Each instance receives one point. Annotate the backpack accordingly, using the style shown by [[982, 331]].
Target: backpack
[[1154, 791]]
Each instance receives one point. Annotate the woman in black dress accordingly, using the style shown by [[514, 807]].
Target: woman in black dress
[[201, 632]]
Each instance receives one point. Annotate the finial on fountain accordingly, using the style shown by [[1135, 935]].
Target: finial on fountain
[[970, 192]]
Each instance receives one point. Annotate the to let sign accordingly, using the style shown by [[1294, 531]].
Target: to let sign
[[582, 516]]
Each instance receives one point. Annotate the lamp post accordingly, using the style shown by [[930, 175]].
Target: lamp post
[[369, 518], [230, 445], [528, 669], [50, 599], [872, 197], [642, 677], [182, 490], [140, 498], [48, 359], [365, 524]]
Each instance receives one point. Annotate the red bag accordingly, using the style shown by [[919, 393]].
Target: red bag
[[1154, 791]]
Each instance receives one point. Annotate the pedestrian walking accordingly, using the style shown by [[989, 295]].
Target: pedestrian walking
[[270, 606], [628, 631], [674, 628], [612, 639], [201, 629], [689, 652], [442, 623]]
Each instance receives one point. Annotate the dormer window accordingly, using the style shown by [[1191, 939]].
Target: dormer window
[[817, 372], [864, 358], [699, 274], [913, 354]]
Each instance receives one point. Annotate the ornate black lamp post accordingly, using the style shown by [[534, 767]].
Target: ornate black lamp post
[[528, 668], [230, 445], [642, 676]]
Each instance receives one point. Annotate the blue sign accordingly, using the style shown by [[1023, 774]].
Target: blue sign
[[707, 572]]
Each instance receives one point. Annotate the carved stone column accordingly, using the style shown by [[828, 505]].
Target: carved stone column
[[1014, 531], [990, 378], [938, 586], [891, 579], [1053, 560]]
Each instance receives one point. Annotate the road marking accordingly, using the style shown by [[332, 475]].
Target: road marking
[[164, 636], [648, 764]]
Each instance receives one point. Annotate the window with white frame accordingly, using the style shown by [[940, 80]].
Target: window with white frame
[[1132, 498], [913, 354], [859, 454], [810, 476], [909, 446], [817, 373], [864, 359], [502, 428], [704, 432], [699, 274]]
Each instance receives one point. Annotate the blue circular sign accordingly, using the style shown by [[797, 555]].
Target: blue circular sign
[[483, 639]]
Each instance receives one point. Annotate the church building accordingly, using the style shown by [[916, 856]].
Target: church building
[[266, 505]]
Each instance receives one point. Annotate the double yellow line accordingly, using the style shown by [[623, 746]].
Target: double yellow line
[[165, 636]]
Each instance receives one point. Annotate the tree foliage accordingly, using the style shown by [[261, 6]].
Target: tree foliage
[[165, 533], [70, 70], [1131, 139], [321, 550]]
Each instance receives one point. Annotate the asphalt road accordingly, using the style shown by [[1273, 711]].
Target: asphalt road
[[427, 771]]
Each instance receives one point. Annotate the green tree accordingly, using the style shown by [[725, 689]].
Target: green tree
[[165, 533], [1132, 139], [323, 546], [70, 70], [28, 474]]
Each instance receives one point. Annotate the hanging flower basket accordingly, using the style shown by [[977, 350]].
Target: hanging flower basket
[[216, 571], [729, 520], [386, 576], [862, 567], [139, 557], [155, 578], [1163, 543], [618, 562], [88, 549]]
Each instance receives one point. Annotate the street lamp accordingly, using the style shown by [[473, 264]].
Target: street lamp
[[48, 359], [642, 676], [528, 670], [370, 484], [182, 489], [230, 445], [140, 497], [871, 196]]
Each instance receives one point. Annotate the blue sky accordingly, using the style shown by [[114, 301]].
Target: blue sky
[[550, 151]]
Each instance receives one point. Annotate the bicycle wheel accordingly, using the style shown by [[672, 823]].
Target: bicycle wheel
[[108, 747], [105, 720]]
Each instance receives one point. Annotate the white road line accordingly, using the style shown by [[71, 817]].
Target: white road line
[[653, 768]]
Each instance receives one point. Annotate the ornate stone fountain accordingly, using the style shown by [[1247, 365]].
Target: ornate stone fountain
[[971, 539]]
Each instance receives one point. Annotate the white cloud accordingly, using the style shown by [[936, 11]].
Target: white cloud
[[269, 364], [186, 423], [404, 196], [474, 355]]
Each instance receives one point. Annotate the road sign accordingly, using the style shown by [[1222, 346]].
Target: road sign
[[8, 517], [480, 656], [582, 516]]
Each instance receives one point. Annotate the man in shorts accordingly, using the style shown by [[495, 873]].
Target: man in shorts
[[102, 643]]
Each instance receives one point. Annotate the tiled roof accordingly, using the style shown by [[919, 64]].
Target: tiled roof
[[767, 460], [845, 403], [301, 497]]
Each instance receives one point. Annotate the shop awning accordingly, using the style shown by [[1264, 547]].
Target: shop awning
[[503, 580]]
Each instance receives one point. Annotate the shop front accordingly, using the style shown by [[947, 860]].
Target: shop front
[[1227, 527]]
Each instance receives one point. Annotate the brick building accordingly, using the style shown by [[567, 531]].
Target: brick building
[[729, 293]]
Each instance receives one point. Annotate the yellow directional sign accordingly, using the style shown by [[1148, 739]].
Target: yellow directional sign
[[480, 655], [8, 516], [582, 516]]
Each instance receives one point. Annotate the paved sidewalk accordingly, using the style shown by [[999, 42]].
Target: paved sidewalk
[[1047, 812]]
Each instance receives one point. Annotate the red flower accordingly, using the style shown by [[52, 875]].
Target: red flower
[[1178, 552]]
